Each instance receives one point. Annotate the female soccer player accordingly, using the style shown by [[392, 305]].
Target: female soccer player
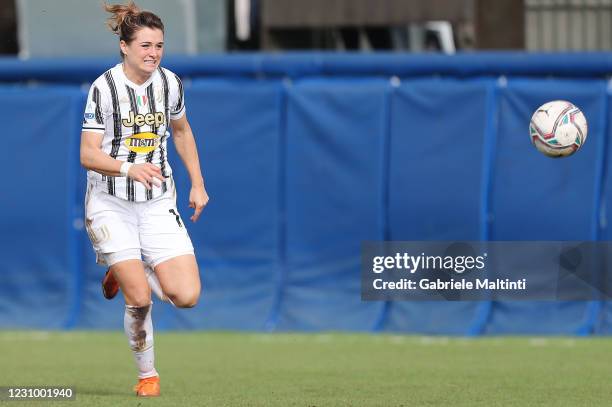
[[131, 213]]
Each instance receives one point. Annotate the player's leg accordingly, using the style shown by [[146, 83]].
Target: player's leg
[[112, 228], [155, 284], [110, 286], [167, 247], [137, 322], [130, 276], [180, 280]]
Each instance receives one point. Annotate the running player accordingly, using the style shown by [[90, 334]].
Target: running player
[[130, 206]]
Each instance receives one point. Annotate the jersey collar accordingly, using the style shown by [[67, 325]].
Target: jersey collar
[[132, 84]]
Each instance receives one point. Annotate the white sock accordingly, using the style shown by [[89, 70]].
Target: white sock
[[138, 327], [155, 285]]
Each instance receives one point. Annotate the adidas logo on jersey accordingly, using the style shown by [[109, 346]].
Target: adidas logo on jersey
[[152, 119]]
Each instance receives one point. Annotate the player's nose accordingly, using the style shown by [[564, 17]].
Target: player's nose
[[153, 53]]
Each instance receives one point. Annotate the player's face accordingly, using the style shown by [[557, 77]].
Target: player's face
[[145, 51]]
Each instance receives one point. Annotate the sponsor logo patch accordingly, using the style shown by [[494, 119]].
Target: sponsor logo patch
[[142, 143], [90, 110], [152, 119]]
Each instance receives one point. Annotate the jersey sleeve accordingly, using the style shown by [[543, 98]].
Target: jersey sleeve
[[177, 108], [95, 111]]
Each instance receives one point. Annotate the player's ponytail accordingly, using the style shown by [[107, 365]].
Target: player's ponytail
[[128, 18]]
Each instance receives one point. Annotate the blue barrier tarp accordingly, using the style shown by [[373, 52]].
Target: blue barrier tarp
[[544, 199], [36, 281], [334, 172], [237, 127], [306, 156], [317, 64], [435, 183], [604, 325]]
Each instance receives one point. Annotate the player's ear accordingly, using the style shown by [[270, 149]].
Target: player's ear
[[123, 47]]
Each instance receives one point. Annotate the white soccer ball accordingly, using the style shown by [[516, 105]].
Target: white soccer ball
[[558, 129]]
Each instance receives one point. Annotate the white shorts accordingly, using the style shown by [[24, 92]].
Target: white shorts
[[119, 230]]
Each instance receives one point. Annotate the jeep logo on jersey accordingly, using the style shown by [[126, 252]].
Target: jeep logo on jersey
[[152, 119], [142, 143]]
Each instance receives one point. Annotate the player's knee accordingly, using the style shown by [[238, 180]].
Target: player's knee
[[186, 299], [140, 298], [185, 302]]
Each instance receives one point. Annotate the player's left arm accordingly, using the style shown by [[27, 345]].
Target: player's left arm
[[187, 150]]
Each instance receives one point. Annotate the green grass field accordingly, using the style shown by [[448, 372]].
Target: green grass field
[[234, 369]]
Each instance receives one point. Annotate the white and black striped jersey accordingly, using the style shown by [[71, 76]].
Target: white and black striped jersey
[[135, 120]]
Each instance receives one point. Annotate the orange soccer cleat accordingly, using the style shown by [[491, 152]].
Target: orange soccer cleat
[[147, 387], [110, 286]]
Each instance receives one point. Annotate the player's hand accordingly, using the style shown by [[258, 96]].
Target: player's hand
[[147, 174], [198, 198]]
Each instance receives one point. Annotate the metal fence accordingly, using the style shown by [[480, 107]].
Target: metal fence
[[553, 25]]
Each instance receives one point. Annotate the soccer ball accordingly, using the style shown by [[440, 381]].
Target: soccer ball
[[558, 129]]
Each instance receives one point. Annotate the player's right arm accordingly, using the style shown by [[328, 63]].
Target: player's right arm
[[94, 159]]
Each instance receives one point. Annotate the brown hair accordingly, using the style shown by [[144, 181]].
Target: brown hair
[[126, 19]]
